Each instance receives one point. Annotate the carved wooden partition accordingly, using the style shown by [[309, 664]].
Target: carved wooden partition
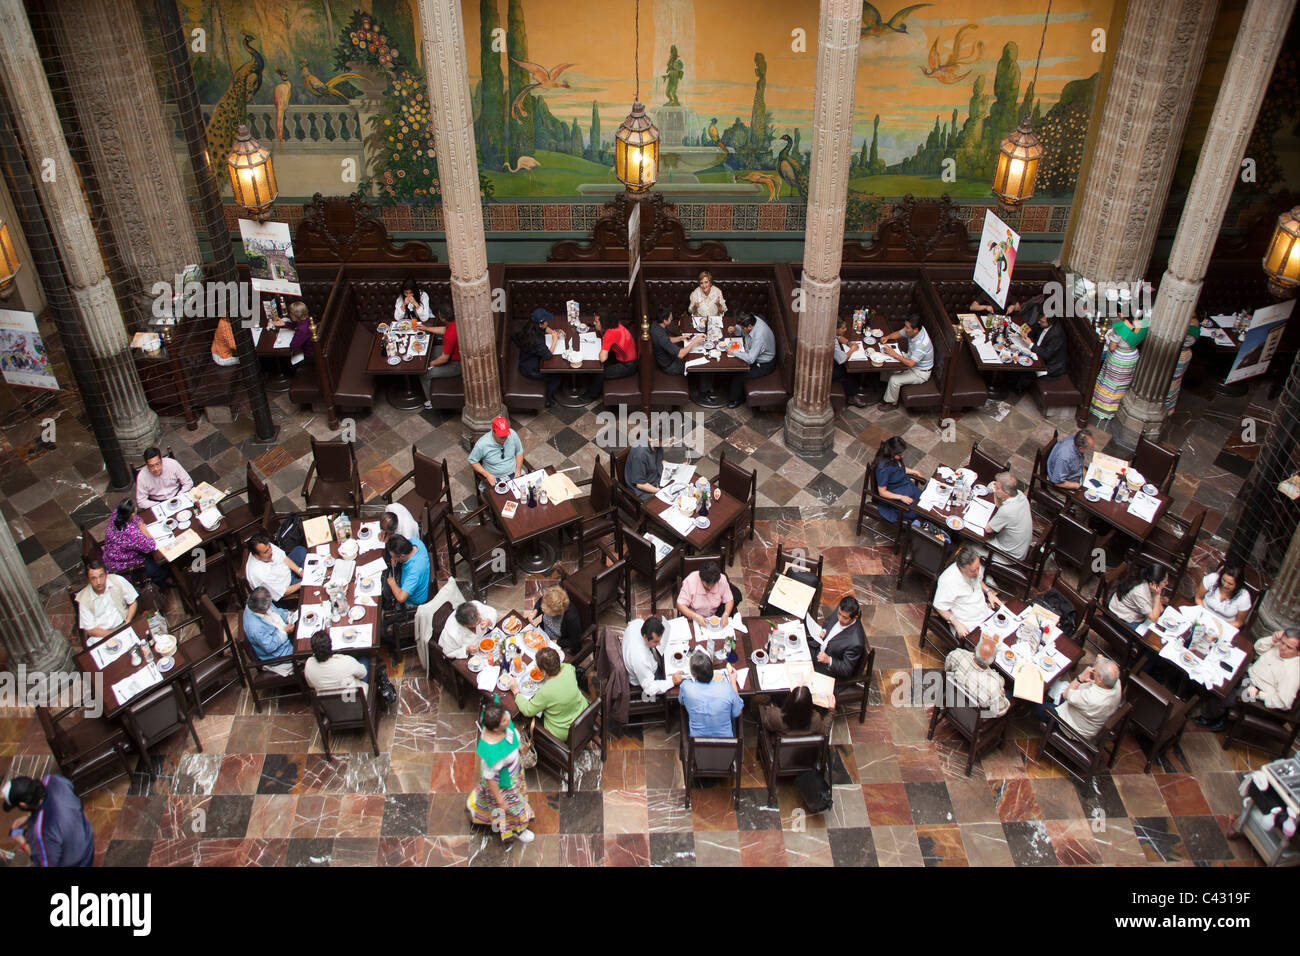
[[919, 231], [663, 237], [344, 229]]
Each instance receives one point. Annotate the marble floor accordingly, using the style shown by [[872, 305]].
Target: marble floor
[[269, 796]]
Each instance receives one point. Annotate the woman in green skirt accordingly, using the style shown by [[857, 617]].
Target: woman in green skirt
[[501, 798]]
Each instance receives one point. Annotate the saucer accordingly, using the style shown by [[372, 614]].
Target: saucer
[[955, 523], [356, 613], [394, 360], [166, 664], [1024, 360], [701, 522], [182, 526], [1092, 495]]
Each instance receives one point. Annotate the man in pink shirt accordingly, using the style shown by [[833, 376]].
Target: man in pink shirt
[[161, 479], [706, 593]]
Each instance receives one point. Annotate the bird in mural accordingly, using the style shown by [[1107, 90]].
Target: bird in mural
[[232, 109], [786, 167], [543, 79], [763, 179], [329, 87], [280, 96], [874, 25], [712, 132], [945, 71], [524, 164]]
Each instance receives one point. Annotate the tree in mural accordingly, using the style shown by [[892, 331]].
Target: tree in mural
[[595, 148], [1280, 108], [1062, 131], [490, 130], [755, 151], [875, 164], [521, 128], [1003, 113], [402, 165]]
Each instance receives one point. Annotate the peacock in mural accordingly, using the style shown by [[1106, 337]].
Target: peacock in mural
[[232, 108], [788, 167]]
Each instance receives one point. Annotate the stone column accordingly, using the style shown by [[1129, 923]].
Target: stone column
[[1254, 52], [808, 416], [25, 628], [23, 75], [121, 117], [447, 77], [1152, 84], [1281, 607]]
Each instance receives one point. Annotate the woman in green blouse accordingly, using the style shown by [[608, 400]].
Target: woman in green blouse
[[558, 700], [1117, 366], [501, 798]]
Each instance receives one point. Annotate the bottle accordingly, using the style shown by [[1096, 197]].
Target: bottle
[[1121, 490], [280, 309], [704, 504], [532, 496]]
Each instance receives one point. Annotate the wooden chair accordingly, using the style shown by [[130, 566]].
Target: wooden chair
[[1042, 492], [159, 715], [641, 713], [630, 509], [562, 755], [795, 564], [89, 751], [596, 518], [924, 554], [1251, 720], [1173, 540], [479, 546], [784, 755], [263, 683], [857, 689], [934, 626], [639, 555], [450, 679], [215, 579], [597, 588], [213, 667], [1157, 714], [333, 480], [869, 510], [712, 757], [985, 468], [1081, 758], [1022, 574], [1156, 463], [1074, 544], [345, 709], [92, 549], [429, 499], [691, 563], [743, 486], [255, 513], [1117, 641], [966, 717]]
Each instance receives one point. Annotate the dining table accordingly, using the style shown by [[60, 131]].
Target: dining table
[[1097, 498], [1017, 357], [724, 511], [123, 681], [969, 521], [871, 339], [1053, 659], [514, 626], [412, 362], [572, 391], [356, 631], [528, 527], [271, 342], [174, 542], [1202, 659]]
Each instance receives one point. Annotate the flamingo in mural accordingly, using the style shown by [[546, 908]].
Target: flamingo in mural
[[763, 179], [543, 79], [524, 164]]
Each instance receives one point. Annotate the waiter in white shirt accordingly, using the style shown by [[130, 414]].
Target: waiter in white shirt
[[645, 665], [397, 519]]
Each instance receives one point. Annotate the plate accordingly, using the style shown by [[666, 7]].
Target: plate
[[165, 644], [1024, 360], [381, 328], [1190, 659], [1151, 490], [701, 522], [535, 675], [182, 526], [1091, 495], [869, 339], [954, 522], [166, 664], [394, 360], [356, 613], [487, 644], [511, 624], [185, 515], [503, 682], [535, 639], [527, 688], [877, 332], [476, 664], [112, 644]]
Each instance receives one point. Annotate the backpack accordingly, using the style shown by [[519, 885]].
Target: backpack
[[1059, 604], [815, 791]]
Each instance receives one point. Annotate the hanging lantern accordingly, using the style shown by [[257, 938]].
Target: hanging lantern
[[1282, 261], [636, 151], [9, 261], [1013, 180], [252, 176]]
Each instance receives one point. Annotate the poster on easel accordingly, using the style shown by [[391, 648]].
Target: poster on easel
[[268, 247], [997, 258], [1260, 341], [23, 358]]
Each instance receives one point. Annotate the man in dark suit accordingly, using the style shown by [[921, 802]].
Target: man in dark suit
[[1050, 344], [840, 640]]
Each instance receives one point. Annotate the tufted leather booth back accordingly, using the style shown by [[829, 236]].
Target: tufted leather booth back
[[743, 295], [604, 296], [957, 294], [896, 299]]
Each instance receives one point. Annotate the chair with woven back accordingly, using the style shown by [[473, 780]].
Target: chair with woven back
[[716, 758], [562, 755], [1117, 641], [743, 486], [1074, 545], [869, 510], [1080, 757], [348, 708], [596, 517], [639, 555], [630, 509], [90, 751], [211, 653], [255, 513], [333, 480], [480, 545], [428, 500], [1022, 574], [967, 718], [795, 564], [984, 466], [789, 755], [1157, 714], [1156, 463], [856, 689]]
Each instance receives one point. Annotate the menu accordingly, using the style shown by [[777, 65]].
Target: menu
[[791, 596], [662, 547], [1144, 506], [559, 487], [978, 513], [140, 681], [316, 531], [180, 544], [682, 524]]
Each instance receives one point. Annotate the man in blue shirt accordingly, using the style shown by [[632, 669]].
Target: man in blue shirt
[[759, 352], [56, 831], [266, 627], [498, 454], [712, 706], [919, 360], [409, 579], [1065, 463]]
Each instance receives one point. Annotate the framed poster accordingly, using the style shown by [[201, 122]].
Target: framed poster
[[269, 250], [23, 358], [1260, 341], [997, 257]]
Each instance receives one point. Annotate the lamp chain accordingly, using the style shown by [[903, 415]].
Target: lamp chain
[[636, 51], [1047, 16]]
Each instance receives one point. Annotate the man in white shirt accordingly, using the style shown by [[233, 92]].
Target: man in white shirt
[[107, 604], [973, 674], [467, 624], [1272, 680], [269, 567], [960, 597], [919, 360], [642, 659], [1090, 699], [843, 347], [1011, 528], [326, 670], [397, 519]]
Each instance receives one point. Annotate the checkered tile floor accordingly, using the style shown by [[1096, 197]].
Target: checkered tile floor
[[270, 797]]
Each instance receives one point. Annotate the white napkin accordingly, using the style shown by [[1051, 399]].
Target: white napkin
[[284, 338], [257, 335], [1144, 506], [772, 676], [361, 638], [102, 656], [487, 678], [699, 361]]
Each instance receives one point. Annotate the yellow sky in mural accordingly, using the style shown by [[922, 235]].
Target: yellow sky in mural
[[596, 35]]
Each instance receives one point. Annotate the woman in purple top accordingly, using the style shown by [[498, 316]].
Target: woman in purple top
[[300, 319], [127, 545]]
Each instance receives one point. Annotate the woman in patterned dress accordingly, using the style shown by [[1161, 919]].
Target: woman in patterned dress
[[127, 545], [501, 798], [1117, 367]]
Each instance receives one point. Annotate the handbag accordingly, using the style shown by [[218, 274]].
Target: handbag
[[384, 687], [815, 790], [527, 752]]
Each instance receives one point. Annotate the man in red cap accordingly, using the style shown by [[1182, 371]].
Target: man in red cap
[[498, 454]]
